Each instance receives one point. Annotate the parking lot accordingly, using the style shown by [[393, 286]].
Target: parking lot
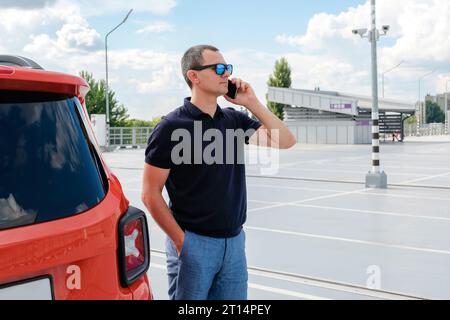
[[315, 232]]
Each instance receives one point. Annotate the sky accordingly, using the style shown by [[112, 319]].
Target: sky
[[315, 37]]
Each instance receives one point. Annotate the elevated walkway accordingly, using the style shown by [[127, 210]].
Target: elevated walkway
[[325, 114]]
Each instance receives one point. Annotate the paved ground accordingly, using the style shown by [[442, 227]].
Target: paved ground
[[315, 219]]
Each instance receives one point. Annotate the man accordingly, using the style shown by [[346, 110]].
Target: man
[[205, 244]]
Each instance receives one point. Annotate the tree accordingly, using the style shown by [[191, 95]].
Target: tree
[[280, 78], [96, 102], [434, 113], [142, 123], [155, 121], [411, 120]]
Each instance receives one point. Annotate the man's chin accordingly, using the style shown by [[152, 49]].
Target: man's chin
[[224, 92], [221, 93]]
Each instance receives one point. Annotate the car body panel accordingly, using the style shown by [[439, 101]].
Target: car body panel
[[79, 253]]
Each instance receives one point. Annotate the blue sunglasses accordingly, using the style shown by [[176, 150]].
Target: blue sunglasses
[[220, 68]]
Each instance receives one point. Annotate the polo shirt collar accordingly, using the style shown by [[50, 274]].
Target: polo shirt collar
[[196, 112]]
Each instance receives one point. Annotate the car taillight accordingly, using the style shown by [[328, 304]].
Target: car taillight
[[134, 253], [134, 245]]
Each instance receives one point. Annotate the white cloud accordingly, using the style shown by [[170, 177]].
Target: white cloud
[[25, 4], [98, 7], [157, 27], [424, 34], [149, 82], [33, 31], [159, 80], [60, 38], [71, 38], [419, 35], [325, 30]]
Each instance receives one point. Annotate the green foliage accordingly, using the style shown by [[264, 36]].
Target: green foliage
[[411, 120], [434, 113], [141, 123], [280, 78], [96, 101]]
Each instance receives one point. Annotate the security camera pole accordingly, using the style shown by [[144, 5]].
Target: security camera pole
[[375, 178]]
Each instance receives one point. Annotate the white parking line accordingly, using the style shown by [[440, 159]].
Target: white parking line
[[427, 178], [403, 215], [270, 186], [306, 200], [387, 166], [285, 292], [361, 192], [263, 288], [353, 171], [376, 212], [371, 243]]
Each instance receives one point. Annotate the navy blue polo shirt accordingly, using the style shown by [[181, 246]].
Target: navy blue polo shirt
[[206, 197]]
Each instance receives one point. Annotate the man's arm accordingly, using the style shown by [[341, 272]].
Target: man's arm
[[153, 184], [273, 132]]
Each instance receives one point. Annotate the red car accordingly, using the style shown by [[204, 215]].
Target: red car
[[66, 229]]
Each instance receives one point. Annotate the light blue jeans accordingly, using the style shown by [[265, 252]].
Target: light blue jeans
[[207, 268]]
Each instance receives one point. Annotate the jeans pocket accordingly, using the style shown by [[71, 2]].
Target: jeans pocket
[[185, 242]]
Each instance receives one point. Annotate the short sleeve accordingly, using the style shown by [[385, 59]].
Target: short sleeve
[[247, 123], [159, 146]]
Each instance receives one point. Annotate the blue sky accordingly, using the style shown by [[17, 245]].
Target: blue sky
[[243, 24], [314, 36], [230, 24]]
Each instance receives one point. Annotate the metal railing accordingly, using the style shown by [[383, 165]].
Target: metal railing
[[430, 129], [125, 136], [138, 136]]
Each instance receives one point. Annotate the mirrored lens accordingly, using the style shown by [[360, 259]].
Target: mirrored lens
[[220, 69], [230, 69]]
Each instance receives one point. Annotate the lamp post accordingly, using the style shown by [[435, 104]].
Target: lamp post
[[382, 81], [106, 86], [374, 178], [446, 106], [419, 107]]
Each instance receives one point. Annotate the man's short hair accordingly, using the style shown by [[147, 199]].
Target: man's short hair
[[193, 58]]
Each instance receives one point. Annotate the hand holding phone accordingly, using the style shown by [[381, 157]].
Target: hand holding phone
[[232, 90]]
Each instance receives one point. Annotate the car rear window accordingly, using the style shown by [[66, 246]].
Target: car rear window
[[49, 168]]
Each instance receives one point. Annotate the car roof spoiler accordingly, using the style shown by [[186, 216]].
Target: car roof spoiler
[[18, 61]]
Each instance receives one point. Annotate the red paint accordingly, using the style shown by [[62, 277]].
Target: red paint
[[87, 242]]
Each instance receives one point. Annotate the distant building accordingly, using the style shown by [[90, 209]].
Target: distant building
[[440, 100], [329, 117]]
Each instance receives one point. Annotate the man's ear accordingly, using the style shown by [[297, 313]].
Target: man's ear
[[192, 75]]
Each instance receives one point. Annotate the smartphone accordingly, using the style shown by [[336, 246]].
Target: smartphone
[[232, 90]]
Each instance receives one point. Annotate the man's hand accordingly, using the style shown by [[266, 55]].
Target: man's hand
[[282, 137], [179, 246], [245, 95]]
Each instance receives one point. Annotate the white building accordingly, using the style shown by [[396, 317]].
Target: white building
[[328, 117]]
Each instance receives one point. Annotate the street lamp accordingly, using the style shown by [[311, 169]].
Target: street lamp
[[375, 178], [106, 87], [382, 81], [446, 106], [419, 115]]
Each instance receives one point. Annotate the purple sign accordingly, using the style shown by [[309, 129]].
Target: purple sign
[[340, 106], [363, 122]]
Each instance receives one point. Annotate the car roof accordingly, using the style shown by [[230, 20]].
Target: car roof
[[22, 74]]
